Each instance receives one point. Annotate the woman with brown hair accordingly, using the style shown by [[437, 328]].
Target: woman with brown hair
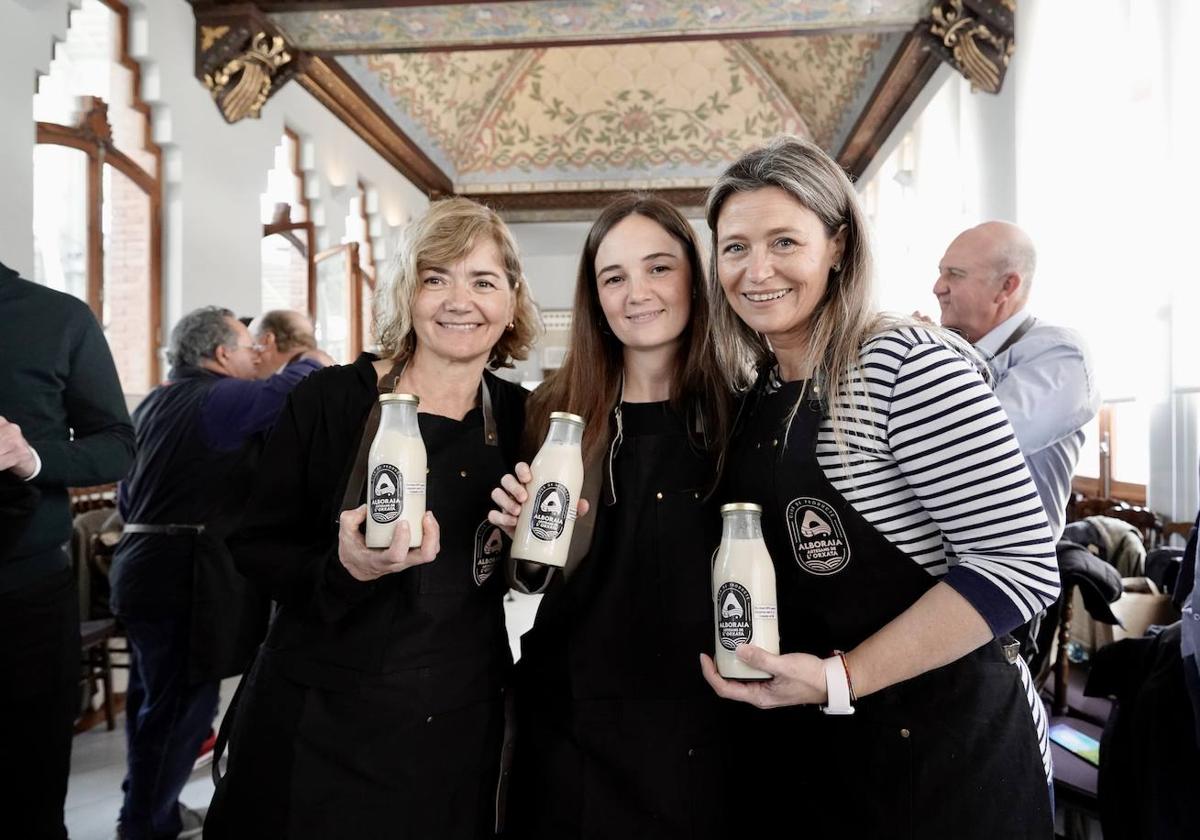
[[376, 707], [616, 731]]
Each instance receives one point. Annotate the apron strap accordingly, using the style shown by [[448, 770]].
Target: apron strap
[[358, 475], [1017, 335], [491, 437]]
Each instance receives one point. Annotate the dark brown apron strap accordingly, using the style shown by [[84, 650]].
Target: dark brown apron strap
[[491, 437], [358, 475]]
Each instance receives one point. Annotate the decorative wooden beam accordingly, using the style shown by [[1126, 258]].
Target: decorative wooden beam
[[910, 70], [338, 92], [975, 37], [561, 206], [241, 59]]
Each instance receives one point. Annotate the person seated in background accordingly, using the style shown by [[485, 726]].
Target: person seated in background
[[1043, 373], [191, 619], [283, 336]]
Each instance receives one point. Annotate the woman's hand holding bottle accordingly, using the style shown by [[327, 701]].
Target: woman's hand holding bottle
[[367, 564]]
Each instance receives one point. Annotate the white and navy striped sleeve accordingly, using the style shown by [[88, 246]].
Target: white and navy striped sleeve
[[955, 448]]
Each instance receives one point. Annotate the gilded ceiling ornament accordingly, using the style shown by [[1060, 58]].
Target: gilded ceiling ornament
[[977, 40], [243, 84], [209, 35]]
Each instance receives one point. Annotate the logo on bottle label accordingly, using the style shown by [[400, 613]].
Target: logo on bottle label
[[387, 500], [735, 615], [818, 538], [550, 507], [489, 544]]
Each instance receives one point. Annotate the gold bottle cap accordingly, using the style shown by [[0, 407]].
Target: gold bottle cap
[[566, 416], [401, 398], [741, 507]]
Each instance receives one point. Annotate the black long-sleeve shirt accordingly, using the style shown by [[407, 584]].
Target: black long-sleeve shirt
[[59, 384]]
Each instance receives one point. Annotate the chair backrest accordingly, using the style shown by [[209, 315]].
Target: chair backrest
[[100, 496], [1149, 524]]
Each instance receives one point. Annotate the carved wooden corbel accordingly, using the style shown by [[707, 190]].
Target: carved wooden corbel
[[976, 37], [242, 63]]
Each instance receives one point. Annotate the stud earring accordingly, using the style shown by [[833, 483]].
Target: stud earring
[[511, 325]]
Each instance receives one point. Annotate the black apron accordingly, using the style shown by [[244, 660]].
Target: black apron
[[951, 753], [411, 750], [617, 732]]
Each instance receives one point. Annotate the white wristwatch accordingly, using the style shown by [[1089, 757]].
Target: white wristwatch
[[837, 684]]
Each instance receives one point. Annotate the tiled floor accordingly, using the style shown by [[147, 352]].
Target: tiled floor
[[98, 756]]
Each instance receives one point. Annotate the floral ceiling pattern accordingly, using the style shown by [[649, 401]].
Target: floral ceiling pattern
[[618, 116]]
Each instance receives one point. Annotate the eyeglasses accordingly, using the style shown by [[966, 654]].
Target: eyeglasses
[[257, 348]]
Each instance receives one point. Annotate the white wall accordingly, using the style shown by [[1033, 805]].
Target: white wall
[[214, 172], [28, 29]]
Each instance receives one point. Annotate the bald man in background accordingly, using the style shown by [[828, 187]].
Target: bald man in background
[[283, 335], [1043, 373]]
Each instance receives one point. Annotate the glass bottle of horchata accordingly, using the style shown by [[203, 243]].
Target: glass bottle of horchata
[[396, 472], [543, 533], [743, 592]]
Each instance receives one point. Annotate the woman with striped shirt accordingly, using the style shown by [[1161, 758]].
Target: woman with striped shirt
[[906, 534]]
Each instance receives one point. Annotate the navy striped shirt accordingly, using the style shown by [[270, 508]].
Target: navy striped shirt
[[933, 465]]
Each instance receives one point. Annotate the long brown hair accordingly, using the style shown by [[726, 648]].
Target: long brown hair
[[589, 381]]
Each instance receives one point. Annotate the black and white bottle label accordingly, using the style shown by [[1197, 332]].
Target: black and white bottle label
[[489, 545], [817, 536], [386, 501], [735, 615], [550, 507]]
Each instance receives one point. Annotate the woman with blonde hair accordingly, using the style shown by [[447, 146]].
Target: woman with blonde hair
[[617, 734], [904, 527], [376, 705]]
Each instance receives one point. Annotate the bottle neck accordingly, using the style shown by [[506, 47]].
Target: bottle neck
[[742, 525], [564, 433], [402, 417]]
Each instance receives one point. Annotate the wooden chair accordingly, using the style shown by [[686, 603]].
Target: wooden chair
[[1151, 527], [96, 633], [100, 496], [97, 662], [1149, 524]]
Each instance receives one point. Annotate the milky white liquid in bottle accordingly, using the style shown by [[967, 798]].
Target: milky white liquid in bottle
[[547, 520], [396, 472], [743, 592]]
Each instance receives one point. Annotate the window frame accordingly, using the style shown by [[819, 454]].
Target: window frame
[[306, 227], [92, 135]]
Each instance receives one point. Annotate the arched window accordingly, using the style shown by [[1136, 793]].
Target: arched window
[[289, 237], [338, 315], [97, 188]]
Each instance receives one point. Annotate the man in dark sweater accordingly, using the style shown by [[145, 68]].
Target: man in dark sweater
[[190, 617], [63, 423]]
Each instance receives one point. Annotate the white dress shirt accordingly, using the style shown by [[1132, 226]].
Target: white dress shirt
[[1045, 383]]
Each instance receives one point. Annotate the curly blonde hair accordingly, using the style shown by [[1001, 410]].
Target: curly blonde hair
[[445, 234]]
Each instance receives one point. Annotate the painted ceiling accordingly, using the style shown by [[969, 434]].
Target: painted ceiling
[[650, 94]]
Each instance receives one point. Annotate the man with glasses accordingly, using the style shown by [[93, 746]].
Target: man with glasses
[[190, 617]]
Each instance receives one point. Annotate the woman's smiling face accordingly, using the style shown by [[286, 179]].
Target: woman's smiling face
[[774, 258], [644, 283]]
